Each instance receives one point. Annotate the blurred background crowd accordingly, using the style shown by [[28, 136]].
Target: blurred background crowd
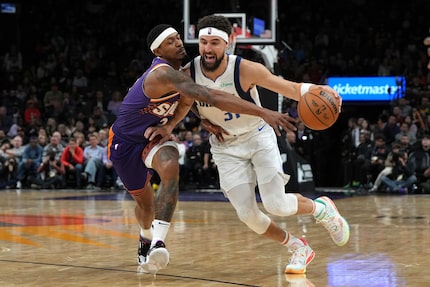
[[66, 66]]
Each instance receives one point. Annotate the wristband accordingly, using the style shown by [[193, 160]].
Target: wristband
[[304, 88]]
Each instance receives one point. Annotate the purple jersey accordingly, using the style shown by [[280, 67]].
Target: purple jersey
[[138, 111], [127, 146]]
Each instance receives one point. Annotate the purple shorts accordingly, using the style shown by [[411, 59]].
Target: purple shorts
[[128, 161]]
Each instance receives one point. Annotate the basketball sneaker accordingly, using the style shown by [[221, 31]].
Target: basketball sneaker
[[335, 224], [156, 259], [301, 257], [298, 280], [142, 250]]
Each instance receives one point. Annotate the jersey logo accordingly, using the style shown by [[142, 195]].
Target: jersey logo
[[165, 109], [224, 85]]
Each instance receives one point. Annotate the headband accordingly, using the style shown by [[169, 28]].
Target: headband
[[211, 31], [160, 38]]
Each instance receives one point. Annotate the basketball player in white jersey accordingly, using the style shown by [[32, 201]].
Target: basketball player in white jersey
[[245, 148]]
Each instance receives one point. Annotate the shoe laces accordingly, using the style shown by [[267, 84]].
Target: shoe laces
[[299, 256], [329, 222], [295, 246]]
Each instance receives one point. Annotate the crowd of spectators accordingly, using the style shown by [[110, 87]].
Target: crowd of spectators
[[391, 156], [62, 79]]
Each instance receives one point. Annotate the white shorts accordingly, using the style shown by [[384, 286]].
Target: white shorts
[[253, 158]]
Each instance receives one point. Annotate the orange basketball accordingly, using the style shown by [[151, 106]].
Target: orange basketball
[[318, 109]]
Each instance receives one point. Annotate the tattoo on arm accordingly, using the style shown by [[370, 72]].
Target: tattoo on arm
[[185, 85]]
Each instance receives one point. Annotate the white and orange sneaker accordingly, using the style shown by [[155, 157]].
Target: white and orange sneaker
[[298, 280], [300, 259], [331, 219]]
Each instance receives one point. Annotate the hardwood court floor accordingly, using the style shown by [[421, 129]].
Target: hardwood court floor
[[74, 238]]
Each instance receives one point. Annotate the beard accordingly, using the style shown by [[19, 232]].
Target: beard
[[210, 67]]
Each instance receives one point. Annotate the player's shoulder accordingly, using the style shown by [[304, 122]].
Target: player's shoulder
[[160, 67], [160, 72], [243, 62], [247, 62], [251, 67]]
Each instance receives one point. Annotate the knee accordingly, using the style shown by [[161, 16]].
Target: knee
[[274, 207], [166, 162], [285, 205], [245, 214], [167, 154], [254, 219]]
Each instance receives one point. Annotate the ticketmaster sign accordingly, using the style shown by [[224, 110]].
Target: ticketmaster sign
[[377, 89]]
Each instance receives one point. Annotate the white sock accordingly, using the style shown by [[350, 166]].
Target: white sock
[[159, 230], [287, 237], [318, 210]]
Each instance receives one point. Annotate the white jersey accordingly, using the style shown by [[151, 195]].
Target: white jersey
[[235, 124], [250, 153]]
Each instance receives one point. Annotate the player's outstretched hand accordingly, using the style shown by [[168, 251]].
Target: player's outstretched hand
[[277, 120], [331, 91], [218, 131]]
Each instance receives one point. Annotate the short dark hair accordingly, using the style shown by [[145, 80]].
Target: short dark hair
[[215, 21], [379, 137], [5, 141]]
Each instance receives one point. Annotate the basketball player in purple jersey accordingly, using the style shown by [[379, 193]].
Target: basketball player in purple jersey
[[136, 152]]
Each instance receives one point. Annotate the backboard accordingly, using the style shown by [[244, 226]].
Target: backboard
[[254, 21]]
